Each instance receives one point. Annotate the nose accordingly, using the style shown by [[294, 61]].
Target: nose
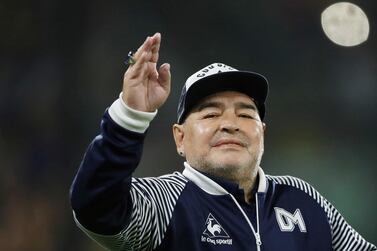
[[228, 123]]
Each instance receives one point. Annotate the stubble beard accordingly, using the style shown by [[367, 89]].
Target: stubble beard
[[235, 172]]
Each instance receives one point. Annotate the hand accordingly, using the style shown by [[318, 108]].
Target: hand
[[144, 87]]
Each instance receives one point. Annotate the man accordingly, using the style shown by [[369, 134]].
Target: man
[[222, 200]]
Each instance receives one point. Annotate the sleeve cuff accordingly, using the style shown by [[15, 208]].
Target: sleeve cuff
[[128, 118]]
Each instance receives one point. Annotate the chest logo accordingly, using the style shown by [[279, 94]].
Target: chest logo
[[213, 228], [287, 221], [214, 233]]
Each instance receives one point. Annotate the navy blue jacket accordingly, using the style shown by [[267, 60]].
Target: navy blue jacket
[[193, 211]]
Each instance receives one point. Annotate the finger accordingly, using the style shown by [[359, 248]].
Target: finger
[[153, 45], [139, 66], [144, 55], [156, 39], [144, 47], [164, 76], [149, 42]]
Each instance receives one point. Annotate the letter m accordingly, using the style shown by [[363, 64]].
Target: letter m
[[288, 221]]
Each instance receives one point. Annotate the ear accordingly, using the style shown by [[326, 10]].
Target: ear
[[264, 127], [179, 134]]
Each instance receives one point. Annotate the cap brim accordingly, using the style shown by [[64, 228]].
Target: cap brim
[[250, 83]]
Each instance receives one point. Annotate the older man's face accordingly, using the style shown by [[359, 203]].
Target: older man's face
[[223, 135]]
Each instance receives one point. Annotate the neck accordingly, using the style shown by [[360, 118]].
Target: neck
[[248, 185], [246, 180], [245, 177]]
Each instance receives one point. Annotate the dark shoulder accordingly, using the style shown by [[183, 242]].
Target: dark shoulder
[[297, 184]]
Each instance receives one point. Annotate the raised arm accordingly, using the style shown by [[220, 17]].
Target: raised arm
[[100, 191]]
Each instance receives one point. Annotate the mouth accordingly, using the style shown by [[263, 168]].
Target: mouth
[[229, 143]]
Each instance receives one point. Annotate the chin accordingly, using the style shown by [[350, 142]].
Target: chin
[[231, 156], [229, 162]]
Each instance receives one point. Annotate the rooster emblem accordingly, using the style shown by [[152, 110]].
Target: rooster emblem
[[213, 228]]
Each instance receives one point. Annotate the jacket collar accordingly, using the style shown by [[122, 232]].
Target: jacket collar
[[212, 187]]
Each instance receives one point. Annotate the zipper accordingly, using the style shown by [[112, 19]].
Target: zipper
[[258, 240]]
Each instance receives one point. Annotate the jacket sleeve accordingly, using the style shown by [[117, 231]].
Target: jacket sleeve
[[100, 192], [344, 237]]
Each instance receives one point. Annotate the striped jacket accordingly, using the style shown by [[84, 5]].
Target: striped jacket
[[193, 211]]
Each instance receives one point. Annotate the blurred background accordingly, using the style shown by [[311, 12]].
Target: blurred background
[[61, 65]]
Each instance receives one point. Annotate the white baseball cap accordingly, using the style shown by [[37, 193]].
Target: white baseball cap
[[219, 77]]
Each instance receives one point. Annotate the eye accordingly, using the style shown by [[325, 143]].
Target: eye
[[245, 115], [210, 115]]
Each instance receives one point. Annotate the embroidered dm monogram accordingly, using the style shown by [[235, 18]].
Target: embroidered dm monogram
[[287, 221]]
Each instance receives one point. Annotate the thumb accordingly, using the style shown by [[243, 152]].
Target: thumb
[[164, 76]]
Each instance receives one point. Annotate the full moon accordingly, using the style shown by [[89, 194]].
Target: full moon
[[345, 24]]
